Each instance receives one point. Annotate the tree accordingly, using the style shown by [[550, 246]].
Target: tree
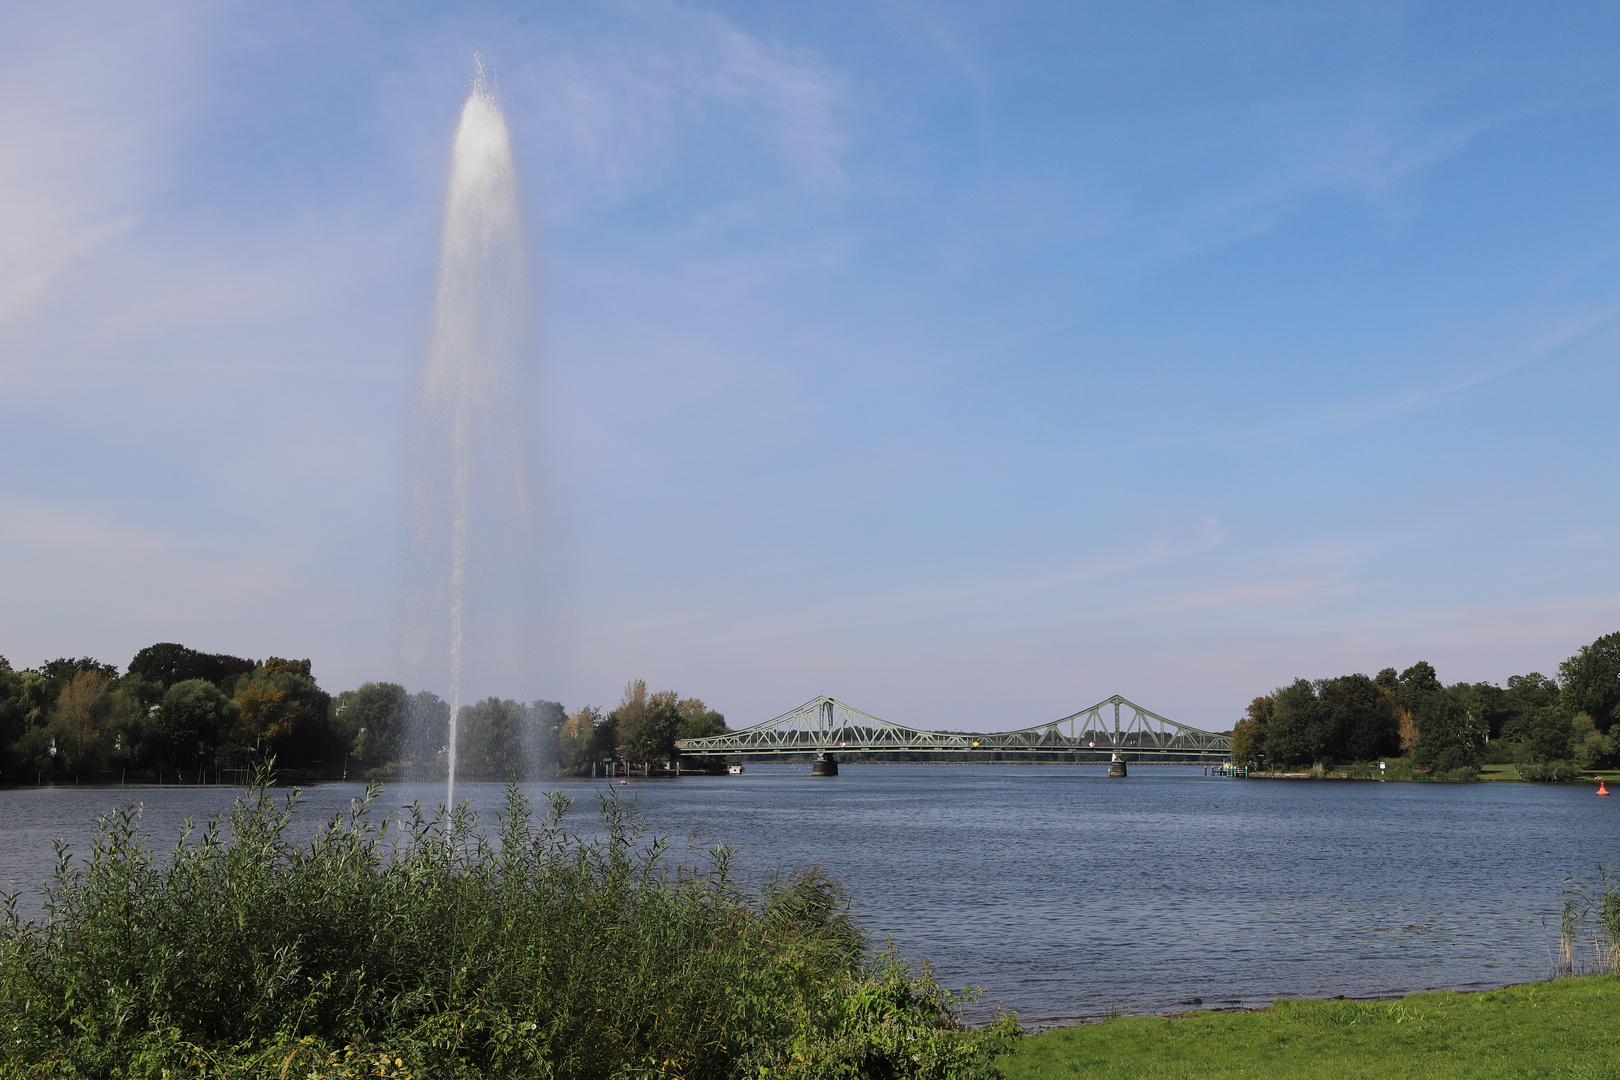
[[59, 672], [489, 740], [288, 714], [698, 721], [1550, 734], [373, 719], [1488, 704], [541, 734], [651, 739], [265, 716], [1361, 718], [85, 720], [1417, 685], [1591, 681], [167, 663], [1448, 738], [193, 719], [1300, 729], [1249, 734], [1588, 746], [586, 737], [427, 735], [1524, 698]]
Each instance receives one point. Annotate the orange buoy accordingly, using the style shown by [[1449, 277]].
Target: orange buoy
[[1601, 789]]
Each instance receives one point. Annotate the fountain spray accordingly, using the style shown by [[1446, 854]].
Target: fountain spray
[[471, 395]]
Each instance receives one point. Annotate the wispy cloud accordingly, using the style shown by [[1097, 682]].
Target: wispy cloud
[[91, 97], [620, 110]]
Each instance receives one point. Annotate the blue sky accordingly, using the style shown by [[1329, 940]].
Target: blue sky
[[969, 363]]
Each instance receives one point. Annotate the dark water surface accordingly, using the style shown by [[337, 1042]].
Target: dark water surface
[[1065, 894]]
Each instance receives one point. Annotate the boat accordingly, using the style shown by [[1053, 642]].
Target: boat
[[734, 770]]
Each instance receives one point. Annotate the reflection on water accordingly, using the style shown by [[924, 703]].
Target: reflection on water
[[1065, 894]]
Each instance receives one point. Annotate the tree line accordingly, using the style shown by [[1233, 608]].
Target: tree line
[[177, 713], [1549, 728]]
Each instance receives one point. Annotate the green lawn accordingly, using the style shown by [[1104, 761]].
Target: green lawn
[[1568, 1028]]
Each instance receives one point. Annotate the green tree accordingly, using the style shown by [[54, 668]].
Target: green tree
[[1550, 734], [698, 721], [651, 739], [489, 740], [1488, 704], [1591, 681], [1417, 685], [1300, 730], [1589, 747], [373, 720], [1524, 698], [25, 706], [193, 719], [1448, 738], [1361, 718], [167, 663], [542, 733], [427, 735]]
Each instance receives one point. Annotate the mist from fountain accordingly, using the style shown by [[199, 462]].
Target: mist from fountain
[[469, 475]]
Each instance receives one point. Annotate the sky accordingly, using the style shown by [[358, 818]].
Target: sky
[[968, 363]]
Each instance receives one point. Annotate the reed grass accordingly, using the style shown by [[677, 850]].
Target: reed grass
[[1589, 925], [416, 946]]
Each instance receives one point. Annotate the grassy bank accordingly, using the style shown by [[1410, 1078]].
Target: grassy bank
[[1566, 1028], [424, 947]]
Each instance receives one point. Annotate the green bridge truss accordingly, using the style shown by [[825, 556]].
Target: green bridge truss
[[826, 726]]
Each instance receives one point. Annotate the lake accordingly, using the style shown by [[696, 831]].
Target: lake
[[1067, 895]]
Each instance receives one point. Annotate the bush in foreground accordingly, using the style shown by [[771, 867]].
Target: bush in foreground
[[419, 947]]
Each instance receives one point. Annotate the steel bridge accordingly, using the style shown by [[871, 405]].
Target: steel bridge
[[827, 727]]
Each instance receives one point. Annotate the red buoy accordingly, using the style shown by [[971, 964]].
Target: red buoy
[[1601, 789]]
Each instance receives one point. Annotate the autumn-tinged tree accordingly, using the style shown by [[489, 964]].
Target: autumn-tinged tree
[[586, 736], [1249, 734], [277, 666], [85, 720], [265, 715], [647, 725]]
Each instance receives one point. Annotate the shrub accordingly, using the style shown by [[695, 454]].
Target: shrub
[[1549, 771], [418, 947]]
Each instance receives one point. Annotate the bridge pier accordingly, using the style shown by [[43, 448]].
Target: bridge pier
[[824, 765]]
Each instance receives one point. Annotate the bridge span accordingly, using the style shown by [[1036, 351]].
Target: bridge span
[[1113, 729]]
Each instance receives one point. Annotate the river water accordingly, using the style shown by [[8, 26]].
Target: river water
[[1066, 895]]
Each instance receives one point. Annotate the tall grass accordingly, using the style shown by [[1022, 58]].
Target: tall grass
[[1589, 925], [417, 946]]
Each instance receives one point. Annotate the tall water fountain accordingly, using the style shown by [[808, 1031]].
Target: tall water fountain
[[471, 502]]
